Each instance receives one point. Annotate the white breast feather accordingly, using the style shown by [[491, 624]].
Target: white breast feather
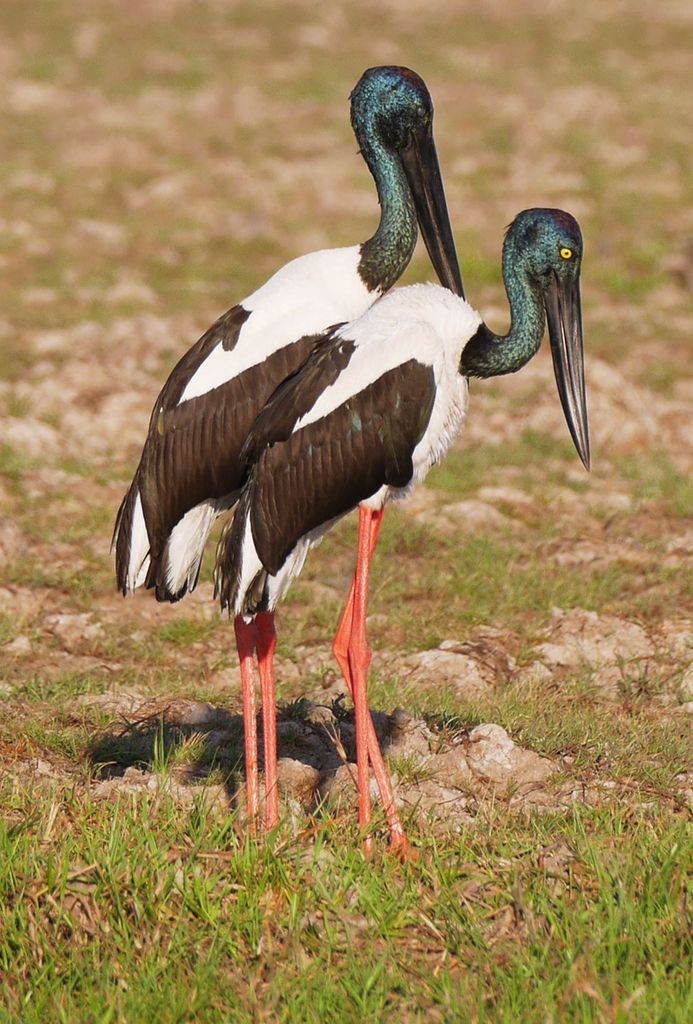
[[423, 322]]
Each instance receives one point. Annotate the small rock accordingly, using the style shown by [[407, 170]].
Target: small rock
[[339, 788], [110, 236], [439, 668], [22, 602], [316, 714], [219, 739], [452, 768], [30, 436], [228, 680], [597, 554], [675, 641], [130, 288], [472, 512], [493, 756], [19, 647], [119, 702], [402, 723], [312, 660], [610, 501], [437, 804], [608, 681], [510, 496], [132, 780], [298, 781], [197, 713], [681, 546], [489, 648], [472, 667], [533, 674], [409, 736], [74, 629], [579, 637], [428, 507]]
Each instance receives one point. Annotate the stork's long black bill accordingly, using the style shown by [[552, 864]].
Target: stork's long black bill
[[420, 162], [564, 319]]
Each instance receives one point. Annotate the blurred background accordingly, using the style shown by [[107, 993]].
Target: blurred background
[[161, 159]]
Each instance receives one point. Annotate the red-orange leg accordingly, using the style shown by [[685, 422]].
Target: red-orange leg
[[340, 647], [245, 641], [266, 646], [359, 659]]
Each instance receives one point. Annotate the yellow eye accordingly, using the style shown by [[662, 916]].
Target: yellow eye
[[566, 253]]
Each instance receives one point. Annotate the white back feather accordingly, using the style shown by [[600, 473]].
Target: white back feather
[[304, 297]]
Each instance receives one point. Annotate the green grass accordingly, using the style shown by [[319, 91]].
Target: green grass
[[7, 628], [466, 469], [12, 465], [655, 479], [183, 632], [156, 914], [60, 688]]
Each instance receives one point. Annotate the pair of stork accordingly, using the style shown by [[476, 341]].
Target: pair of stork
[[319, 393]]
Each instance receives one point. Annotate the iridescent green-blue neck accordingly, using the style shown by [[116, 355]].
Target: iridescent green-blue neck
[[390, 106], [489, 354], [540, 246], [386, 254]]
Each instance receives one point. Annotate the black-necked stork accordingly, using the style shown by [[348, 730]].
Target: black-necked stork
[[375, 406], [191, 469]]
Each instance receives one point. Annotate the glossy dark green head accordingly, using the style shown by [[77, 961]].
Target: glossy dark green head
[[542, 256], [392, 118], [390, 103], [544, 244], [546, 247]]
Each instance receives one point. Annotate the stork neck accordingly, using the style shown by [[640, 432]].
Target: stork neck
[[488, 354], [385, 255]]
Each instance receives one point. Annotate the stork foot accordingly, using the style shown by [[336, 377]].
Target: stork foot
[[402, 849]]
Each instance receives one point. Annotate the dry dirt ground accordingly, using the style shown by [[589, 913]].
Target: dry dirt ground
[[531, 623]]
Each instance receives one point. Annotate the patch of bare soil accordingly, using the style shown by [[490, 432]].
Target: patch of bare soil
[[442, 781], [471, 667], [620, 653]]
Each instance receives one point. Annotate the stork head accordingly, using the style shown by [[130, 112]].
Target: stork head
[[391, 103], [545, 246], [392, 117]]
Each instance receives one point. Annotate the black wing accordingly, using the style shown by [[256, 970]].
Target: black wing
[[193, 451], [326, 468], [298, 393]]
